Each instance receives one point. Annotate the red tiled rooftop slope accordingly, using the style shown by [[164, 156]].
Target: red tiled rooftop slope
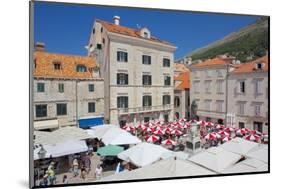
[[249, 67], [185, 82], [129, 32], [45, 65], [211, 62]]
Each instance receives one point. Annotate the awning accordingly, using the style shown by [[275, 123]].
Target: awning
[[46, 124]]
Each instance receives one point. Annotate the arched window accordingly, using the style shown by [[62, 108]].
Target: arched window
[[81, 68]]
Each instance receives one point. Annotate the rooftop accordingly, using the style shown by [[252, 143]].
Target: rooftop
[[54, 65], [111, 27], [179, 67], [184, 79], [212, 62], [250, 67]]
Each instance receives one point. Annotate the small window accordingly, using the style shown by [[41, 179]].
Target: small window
[[40, 87], [91, 107], [57, 66], [91, 87], [99, 46], [61, 109], [146, 101], [166, 62], [145, 34], [122, 102], [241, 125], [101, 30], [241, 108], [61, 87], [103, 40], [122, 56], [94, 31], [146, 59], [41, 110], [122, 79], [81, 68], [166, 99], [146, 79], [259, 66], [167, 80], [177, 101], [242, 86]]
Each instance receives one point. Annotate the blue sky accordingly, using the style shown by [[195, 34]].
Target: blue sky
[[66, 28]]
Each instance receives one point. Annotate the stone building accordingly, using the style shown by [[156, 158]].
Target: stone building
[[66, 87], [248, 94], [181, 93], [138, 72], [209, 88]]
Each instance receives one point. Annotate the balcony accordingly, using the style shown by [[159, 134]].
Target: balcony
[[144, 109]]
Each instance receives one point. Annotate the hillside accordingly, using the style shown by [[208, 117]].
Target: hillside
[[250, 41]]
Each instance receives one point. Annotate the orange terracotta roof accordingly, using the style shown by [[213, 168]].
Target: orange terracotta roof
[[178, 67], [44, 65], [211, 62], [184, 79], [250, 67], [129, 32]]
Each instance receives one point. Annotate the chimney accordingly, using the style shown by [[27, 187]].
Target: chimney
[[39, 46], [116, 20]]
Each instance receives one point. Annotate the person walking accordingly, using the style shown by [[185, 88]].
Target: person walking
[[75, 166], [64, 179], [98, 172], [87, 162]]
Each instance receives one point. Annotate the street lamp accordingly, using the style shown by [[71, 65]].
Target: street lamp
[[42, 152]]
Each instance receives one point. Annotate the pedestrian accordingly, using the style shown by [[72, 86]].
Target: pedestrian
[[51, 175], [64, 179], [98, 172], [83, 173], [87, 162], [75, 166], [44, 181]]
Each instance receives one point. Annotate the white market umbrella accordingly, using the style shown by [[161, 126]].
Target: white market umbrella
[[239, 146], [143, 154]]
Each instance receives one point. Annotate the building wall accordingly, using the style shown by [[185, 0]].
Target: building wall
[[212, 75], [77, 102], [183, 109], [249, 98], [135, 69]]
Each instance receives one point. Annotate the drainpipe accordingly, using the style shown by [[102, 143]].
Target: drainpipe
[[76, 101], [226, 91]]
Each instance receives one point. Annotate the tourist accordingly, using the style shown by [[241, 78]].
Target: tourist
[[98, 172], [44, 181], [64, 179], [83, 172], [51, 175], [75, 166], [87, 162]]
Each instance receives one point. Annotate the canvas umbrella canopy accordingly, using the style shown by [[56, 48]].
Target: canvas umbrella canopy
[[229, 129], [176, 132], [169, 142], [159, 122], [259, 153], [210, 136], [140, 126], [246, 130], [129, 128], [223, 133], [158, 127], [147, 129], [252, 137], [152, 138], [209, 124], [179, 126], [159, 132], [164, 168], [167, 130], [143, 154], [239, 146], [239, 132], [226, 138], [110, 150], [255, 132], [215, 158], [219, 126], [186, 126], [183, 120]]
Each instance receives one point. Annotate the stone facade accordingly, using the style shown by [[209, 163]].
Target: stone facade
[[111, 42]]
